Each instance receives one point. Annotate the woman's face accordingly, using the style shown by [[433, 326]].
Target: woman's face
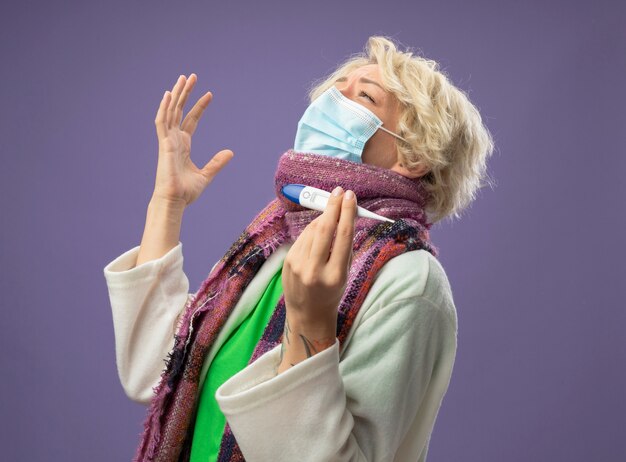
[[364, 86]]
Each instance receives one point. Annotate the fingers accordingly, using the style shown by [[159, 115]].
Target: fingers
[[325, 230], [161, 118], [170, 110], [217, 163], [191, 81], [342, 247], [173, 119], [193, 117]]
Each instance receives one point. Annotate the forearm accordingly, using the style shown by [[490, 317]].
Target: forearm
[[162, 229]]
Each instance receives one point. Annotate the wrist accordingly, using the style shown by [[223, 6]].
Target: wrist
[[319, 320], [165, 206], [317, 328], [161, 231]]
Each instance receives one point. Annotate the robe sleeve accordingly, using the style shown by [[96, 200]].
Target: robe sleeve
[[147, 302], [377, 399]]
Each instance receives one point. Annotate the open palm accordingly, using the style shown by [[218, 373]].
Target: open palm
[[178, 179]]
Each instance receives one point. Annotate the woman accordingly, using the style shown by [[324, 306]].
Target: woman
[[318, 336]]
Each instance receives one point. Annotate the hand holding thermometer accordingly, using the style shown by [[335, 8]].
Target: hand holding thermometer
[[316, 199]]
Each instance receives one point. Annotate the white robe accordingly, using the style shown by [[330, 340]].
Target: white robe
[[375, 399]]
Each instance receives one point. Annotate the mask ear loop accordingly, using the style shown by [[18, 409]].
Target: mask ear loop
[[393, 134]]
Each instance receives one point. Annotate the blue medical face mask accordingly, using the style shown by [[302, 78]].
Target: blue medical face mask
[[336, 126]]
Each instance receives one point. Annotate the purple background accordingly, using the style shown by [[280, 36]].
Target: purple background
[[536, 264]]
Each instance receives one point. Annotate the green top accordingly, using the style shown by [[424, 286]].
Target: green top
[[231, 358]]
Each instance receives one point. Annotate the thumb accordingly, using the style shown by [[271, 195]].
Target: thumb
[[217, 163]]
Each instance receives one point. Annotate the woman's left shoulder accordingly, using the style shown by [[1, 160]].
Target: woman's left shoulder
[[413, 275]]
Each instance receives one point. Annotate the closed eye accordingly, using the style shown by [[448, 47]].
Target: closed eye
[[362, 93]]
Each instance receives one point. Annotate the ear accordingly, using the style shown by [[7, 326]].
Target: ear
[[415, 172]]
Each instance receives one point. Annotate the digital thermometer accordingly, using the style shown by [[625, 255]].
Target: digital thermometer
[[316, 199]]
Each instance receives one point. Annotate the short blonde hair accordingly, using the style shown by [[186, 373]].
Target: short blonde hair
[[444, 130]]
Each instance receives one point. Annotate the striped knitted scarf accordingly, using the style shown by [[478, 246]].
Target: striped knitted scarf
[[168, 428]]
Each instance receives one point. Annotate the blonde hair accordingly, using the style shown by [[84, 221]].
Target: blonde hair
[[443, 129]]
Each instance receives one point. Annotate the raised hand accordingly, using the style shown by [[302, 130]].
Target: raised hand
[[314, 278], [178, 179]]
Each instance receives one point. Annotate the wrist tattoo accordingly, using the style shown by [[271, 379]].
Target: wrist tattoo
[[311, 347], [287, 329], [308, 346]]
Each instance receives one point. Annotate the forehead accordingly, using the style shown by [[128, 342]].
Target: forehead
[[369, 71]]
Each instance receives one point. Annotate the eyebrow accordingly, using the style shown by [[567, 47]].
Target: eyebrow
[[363, 80]]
